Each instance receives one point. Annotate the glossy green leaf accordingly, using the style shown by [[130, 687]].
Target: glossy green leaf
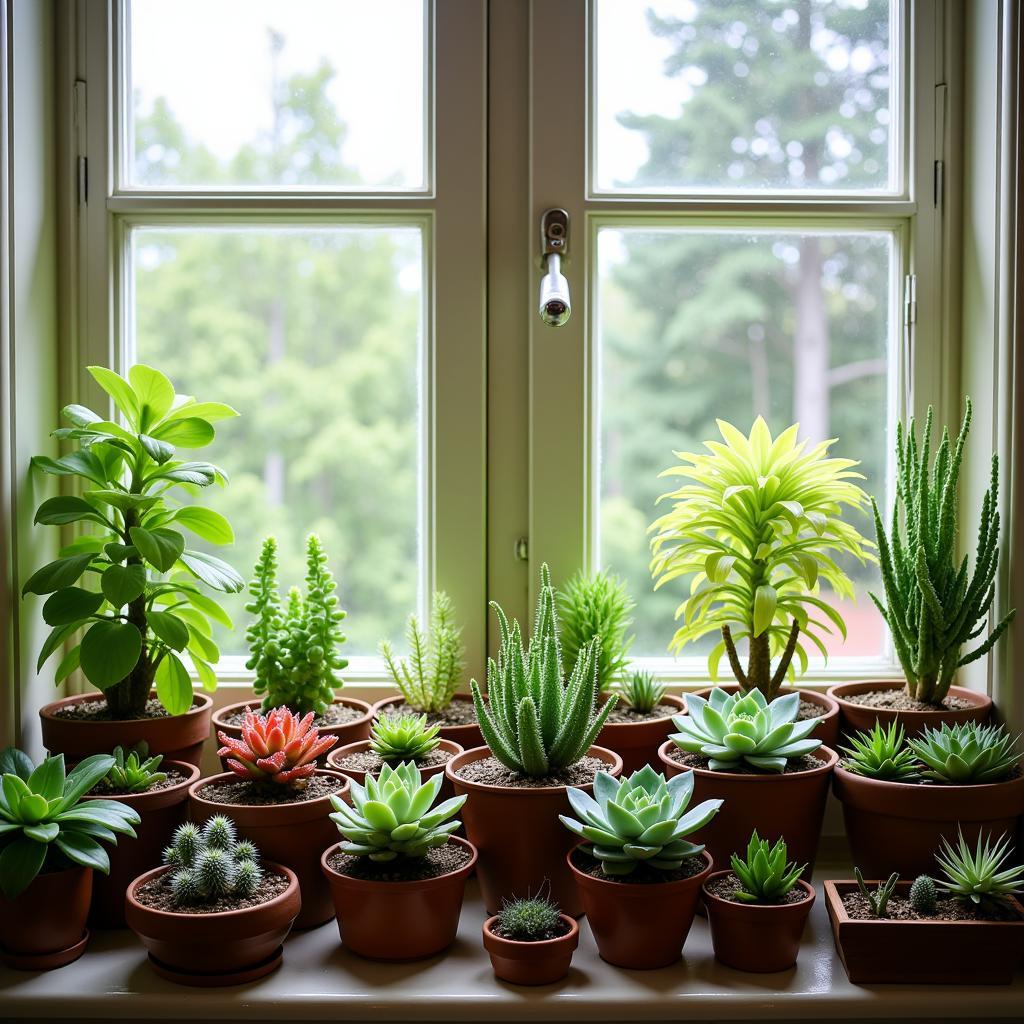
[[213, 572], [173, 685], [123, 583], [190, 432], [119, 390], [205, 523], [64, 572], [154, 391], [169, 628], [72, 604], [110, 650], [160, 547]]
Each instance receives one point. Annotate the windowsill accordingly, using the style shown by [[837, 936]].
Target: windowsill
[[319, 981]]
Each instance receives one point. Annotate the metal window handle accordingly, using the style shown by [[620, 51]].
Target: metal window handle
[[555, 306]]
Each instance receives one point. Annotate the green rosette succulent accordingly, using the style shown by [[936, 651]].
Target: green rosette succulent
[[881, 754], [403, 737], [966, 753], [979, 874]]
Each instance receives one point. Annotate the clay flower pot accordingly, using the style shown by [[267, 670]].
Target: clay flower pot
[[518, 835], [398, 920], [789, 804], [209, 950], [467, 736], [336, 758], [923, 952], [828, 724], [531, 963], [897, 826], [756, 937], [161, 811], [861, 717], [176, 737], [44, 926], [640, 926], [293, 834], [637, 742]]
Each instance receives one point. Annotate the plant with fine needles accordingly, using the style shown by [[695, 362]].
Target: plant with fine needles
[[209, 862], [529, 919]]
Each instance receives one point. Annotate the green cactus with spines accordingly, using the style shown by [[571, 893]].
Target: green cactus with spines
[[209, 863], [529, 919], [923, 895]]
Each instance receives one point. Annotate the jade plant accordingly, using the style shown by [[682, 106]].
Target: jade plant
[[881, 754], [934, 604], [402, 737], [639, 820], [878, 901], [764, 874], [978, 875], [294, 649], [209, 863], [641, 691], [124, 598], [535, 721], [132, 771], [429, 677], [756, 530], [968, 752], [45, 823], [923, 895], [529, 919]]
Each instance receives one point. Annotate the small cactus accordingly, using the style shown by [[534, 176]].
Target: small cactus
[[247, 878], [529, 920], [219, 833], [215, 873], [922, 895]]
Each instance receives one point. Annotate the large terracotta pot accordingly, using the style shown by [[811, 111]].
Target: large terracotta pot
[[398, 920], [828, 724], [640, 926], [176, 737], [897, 826], [637, 742], [789, 806], [518, 835], [861, 718], [338, 755], [292, 834], [467, 736], [756, 937], [531, 963], [161, 811], [208, 950], [44, 926]]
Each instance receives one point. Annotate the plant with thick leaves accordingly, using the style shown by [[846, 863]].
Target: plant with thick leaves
[[934, 606], [133, 771], [639, 820], [45, 823], [403, 737], [394, 815], [143, 606], [764, 874], [881, 754], [641, 691], [878, 900], [977, 875], [276, 749], [967, 752], [730, 728], [757, 530], [208, 863], [534, 722]]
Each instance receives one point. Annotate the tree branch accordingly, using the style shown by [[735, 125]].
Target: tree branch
[[734, 658]]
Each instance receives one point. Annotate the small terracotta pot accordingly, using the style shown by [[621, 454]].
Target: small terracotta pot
[[398, 920], [531, 963], [861, 718], [292, 834], [176, 737], [635, 925], [897, 826], [923, 952], [467, 736], [637, 742], [350, 732], [777, 805], [214, 949], [756, 937], [44, 926], [518, 835], [338, 755], [828, 724], [161, 811]]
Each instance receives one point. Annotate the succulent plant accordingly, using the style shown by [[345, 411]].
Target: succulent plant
[[978, 874], [879, 899], [881, 754], [278, 748], [923, 895], [133, 772], [641, 691], [529, 919], [209, 863], [393, 815], [639, 820], [730, 728], [764, 875], [534, 722], [403, 737], [967, 752]]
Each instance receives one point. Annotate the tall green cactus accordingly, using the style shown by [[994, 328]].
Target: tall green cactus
[[934, 605]]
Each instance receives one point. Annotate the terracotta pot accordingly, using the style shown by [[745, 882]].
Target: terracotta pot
[[531, 963], [215, 949], [861, 718], [336, 756], [635, 925], [44, 926], [398, 920], [161, 811], [176, 737], [897, 826], [518, 835], [637, 742], [828, 724], [350, 732], [923, 952], [756, 937], [292, 834], [467, 736], [777, 805]]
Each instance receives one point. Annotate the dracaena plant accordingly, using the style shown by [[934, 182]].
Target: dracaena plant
[[968, 752], [764, 874], [934, 604], [403, 737], [130, 586], [756, 530], [276, 749]]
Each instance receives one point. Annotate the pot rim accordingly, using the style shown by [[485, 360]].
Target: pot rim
[[201, 702], [151, 800], [820, 697], [484, 751], [358, 746], [194, 794], [835, 691], [371, 884], [679, 883], [745, 776], [805, 903], [377, 704], [542, 944], [255, 702], [836, 910], [955, 788], [648, 722]]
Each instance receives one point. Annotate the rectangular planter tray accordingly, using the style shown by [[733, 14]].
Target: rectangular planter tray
[[923, 952]]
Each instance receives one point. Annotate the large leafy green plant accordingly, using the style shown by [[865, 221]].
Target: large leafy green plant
[[757, 530], [143, 606]]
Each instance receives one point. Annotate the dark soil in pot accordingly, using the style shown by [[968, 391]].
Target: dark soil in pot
[[457, 721], [357, 760], [635, 737], [44, 926], [812, 705], [861, 704], [541, 962]]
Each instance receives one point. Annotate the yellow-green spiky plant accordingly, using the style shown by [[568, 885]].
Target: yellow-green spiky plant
[[756, 530]]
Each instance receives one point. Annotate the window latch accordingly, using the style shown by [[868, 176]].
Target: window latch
[[555, 307]]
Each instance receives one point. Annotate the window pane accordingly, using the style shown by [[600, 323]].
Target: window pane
[[695, 325], [734, 95], [259, 93], [313, 335]]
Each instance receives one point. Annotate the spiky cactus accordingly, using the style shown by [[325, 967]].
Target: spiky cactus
[[923, 894], [209, 863], [529, 919]]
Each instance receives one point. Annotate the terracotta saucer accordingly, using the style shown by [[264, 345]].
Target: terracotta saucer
[[45, 961], [199, 979]]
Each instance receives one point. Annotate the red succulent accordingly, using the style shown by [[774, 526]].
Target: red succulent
[[277, 747]]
